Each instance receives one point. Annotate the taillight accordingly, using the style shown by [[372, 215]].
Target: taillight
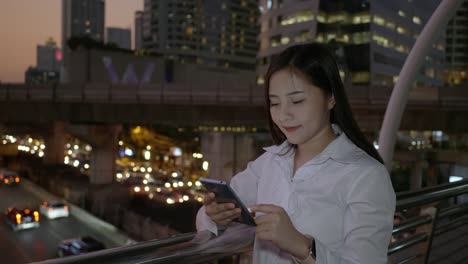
[[17, 179], [66, 207], [18, 219], [5, 180], [36, 216]]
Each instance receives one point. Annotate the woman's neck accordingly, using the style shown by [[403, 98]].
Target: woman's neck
[[313, 147]]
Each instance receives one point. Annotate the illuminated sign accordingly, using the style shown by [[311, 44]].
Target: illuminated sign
[[129, 76]]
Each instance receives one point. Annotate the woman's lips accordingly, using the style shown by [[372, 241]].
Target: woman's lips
[[291, 129]]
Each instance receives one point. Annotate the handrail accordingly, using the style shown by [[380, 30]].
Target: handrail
[[179, 250], [437, 195], [398, 246], [411, 223]]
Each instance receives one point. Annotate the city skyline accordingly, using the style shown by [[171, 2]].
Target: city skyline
[[26, 24]]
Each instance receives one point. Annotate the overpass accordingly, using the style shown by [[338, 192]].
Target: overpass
[[181, 104], [99, 109]]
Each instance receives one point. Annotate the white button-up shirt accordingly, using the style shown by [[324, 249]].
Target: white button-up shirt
[[342, 197]]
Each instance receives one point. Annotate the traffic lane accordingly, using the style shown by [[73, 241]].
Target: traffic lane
[[41, 243]]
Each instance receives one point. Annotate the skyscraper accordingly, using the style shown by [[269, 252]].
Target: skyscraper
[[372, 38], [119, 36], [49, 56], [138, 30], [221, 33], [82, 18], [457, 48]]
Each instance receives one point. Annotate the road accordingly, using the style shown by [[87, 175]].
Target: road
[[36, 244]]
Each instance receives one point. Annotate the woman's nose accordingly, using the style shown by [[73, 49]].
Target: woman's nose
[[284, 114]]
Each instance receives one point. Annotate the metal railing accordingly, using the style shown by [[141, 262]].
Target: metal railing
[[178, 249]]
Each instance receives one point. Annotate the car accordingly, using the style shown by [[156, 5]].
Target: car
[[20, 219], [78, 246], [9, 177], [54, 209]]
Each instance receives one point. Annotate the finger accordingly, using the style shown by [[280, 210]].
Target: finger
[[215, 208], [263, 219], [265, 208], [209, 198], [230, 219], [225, 215]]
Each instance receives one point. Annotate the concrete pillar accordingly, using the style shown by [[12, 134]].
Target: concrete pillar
[[417, 174], [55, 143], [229, 153], [104, 143]]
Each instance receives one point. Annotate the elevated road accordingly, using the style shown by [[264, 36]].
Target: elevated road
[[40, 244], [429, 108]]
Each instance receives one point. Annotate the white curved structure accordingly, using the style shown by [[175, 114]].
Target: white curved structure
[[399, 98]]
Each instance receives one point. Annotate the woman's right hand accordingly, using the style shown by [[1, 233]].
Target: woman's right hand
[[221, 214]]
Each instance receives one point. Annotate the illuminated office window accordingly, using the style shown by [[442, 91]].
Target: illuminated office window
[[401, 13], [343, 38], [299, 17], [429, 72], [402, 48], [260, 80], [416, 20], [319, 38], [361, 37], [401, 30], [304, 36], [284, 40], [321, 18], [334, 18], [379, 20], [390, 25], [361, 18], [275, 41], [360, 77]]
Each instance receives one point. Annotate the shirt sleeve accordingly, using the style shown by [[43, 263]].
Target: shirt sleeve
[[244, 184], [368, 220]]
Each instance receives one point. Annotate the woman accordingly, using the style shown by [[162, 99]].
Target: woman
[[323, 186]]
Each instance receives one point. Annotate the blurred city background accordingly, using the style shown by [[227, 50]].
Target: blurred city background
[[119, 107]]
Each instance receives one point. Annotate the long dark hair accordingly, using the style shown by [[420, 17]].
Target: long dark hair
[[318, 65]]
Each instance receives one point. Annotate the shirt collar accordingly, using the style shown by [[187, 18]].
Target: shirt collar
[[341, 149]]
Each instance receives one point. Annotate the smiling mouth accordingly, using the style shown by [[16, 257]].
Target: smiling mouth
[[292, 129]]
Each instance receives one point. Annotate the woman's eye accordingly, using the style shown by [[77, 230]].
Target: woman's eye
[[273, 104], [298, 102]]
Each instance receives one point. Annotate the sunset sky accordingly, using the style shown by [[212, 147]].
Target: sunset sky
[[26, 23]]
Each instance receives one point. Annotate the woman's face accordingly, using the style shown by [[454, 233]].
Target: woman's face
[[300, 109]]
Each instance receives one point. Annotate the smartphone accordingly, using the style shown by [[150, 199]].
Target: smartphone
[[225, 194]]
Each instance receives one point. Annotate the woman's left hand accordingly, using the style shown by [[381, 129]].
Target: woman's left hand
[[276, 226]]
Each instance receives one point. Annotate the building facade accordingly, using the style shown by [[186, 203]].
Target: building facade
[[457, 48], [49, 56], [138, 42], [219, 33], [119, 36], [372, 38], [83, 18]]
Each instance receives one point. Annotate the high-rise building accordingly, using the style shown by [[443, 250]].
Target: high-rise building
[[119, 36], [221, 33], [138, 30], [372, 38], [82, 18], [457, 48], [49, 56]]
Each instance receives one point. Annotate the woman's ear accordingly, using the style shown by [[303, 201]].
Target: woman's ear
[[331, 102]]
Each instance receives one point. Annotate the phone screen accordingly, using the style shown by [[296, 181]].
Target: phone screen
[[225, 194]]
